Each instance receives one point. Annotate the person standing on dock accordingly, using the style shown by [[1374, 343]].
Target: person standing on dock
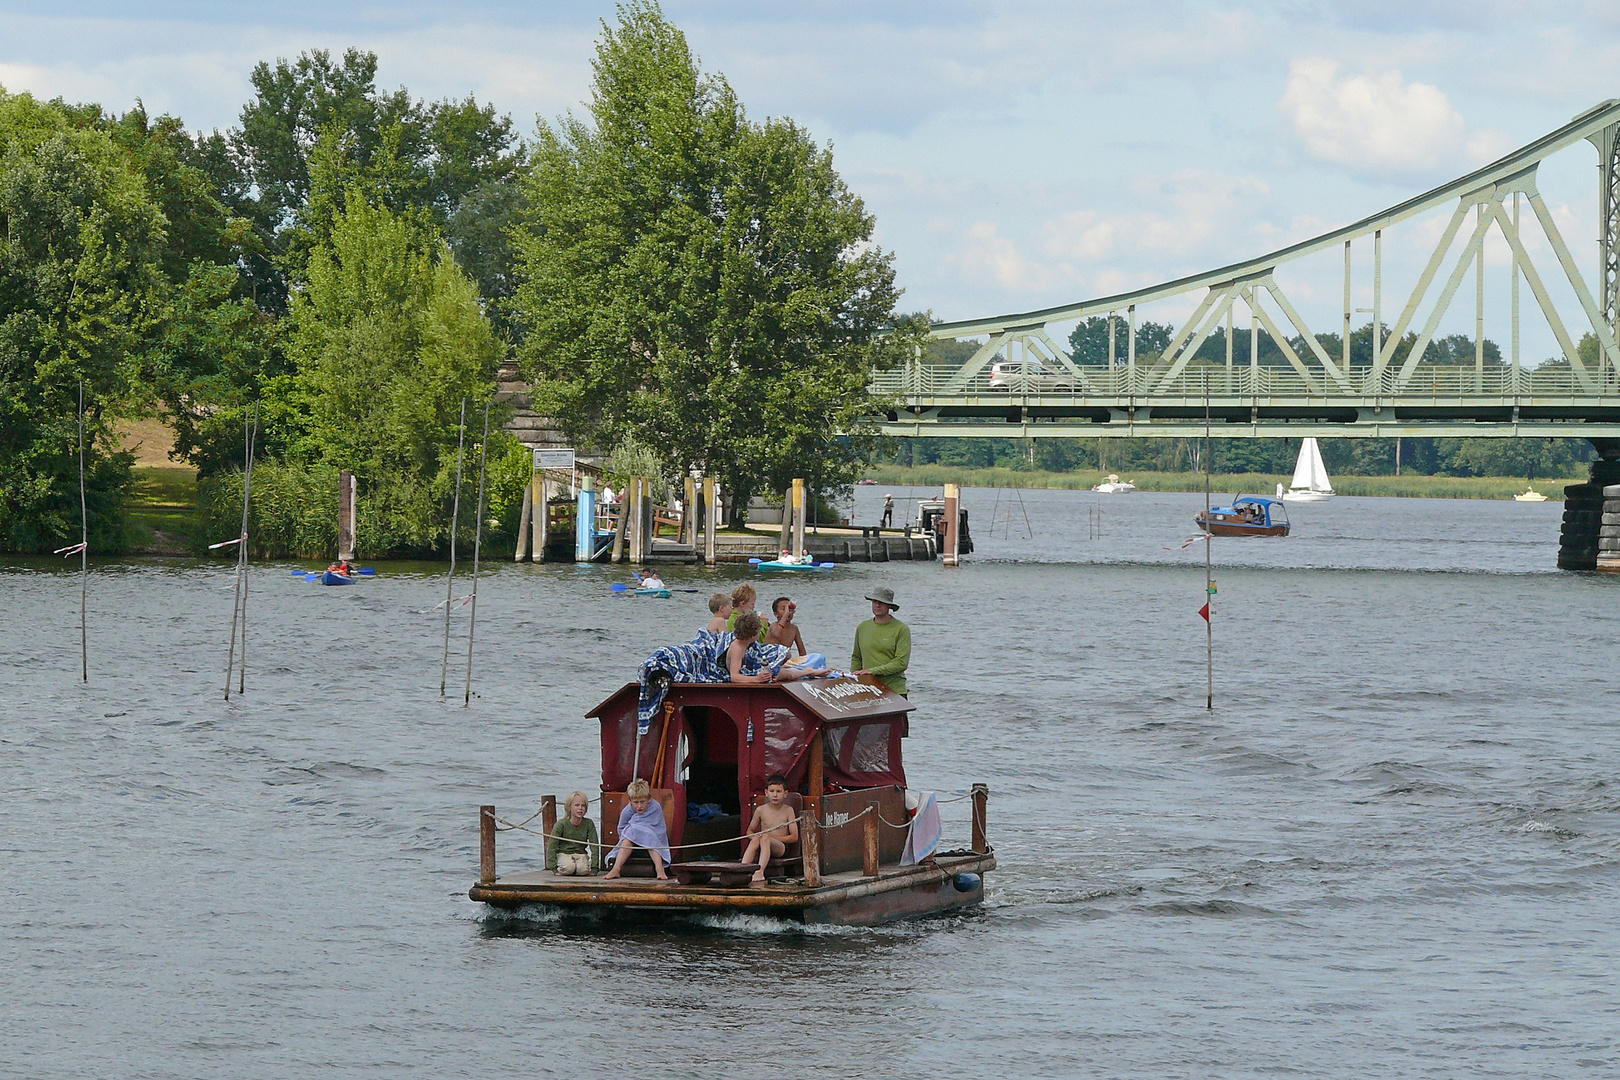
[[888, 512], [883, 643]]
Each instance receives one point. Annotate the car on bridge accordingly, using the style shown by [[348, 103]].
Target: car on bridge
[[1029, 377]]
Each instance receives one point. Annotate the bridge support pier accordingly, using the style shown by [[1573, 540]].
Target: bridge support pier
[[1583, 510]]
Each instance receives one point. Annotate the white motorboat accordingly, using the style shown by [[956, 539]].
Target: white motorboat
[[1114, 485], [1310, 483], [1530, 495]]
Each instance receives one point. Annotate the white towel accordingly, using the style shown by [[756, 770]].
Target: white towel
[[923, 837]]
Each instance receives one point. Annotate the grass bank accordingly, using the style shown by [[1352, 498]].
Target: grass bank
[[163, 511], [1420, 487]]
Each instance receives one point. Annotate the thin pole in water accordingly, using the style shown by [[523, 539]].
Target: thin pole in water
[[455, 523], [84, 553], [242, 554], [478, 539], [1209, 580], [241, 539]]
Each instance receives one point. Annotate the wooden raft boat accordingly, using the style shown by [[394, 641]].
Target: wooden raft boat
[[838, 743], [1249, 515]]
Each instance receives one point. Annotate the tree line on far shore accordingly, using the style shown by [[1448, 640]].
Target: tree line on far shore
[[349, 264]]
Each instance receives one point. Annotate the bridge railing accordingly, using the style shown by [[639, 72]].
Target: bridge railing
[[1101, 384]]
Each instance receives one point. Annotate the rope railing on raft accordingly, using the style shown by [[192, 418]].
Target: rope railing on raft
[[810, 830]]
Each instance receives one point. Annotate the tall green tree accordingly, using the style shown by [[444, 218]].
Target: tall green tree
[[388, 335], [697, 281], [81, 268]]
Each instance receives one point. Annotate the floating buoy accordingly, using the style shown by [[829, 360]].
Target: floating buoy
[[967, 882]]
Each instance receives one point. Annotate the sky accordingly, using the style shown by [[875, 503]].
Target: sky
[[1016, 155]]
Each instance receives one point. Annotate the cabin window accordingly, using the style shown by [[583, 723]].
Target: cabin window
[[871, 752], [833, 740], [787, 737]]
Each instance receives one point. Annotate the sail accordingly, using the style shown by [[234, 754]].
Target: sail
[[1310, 473], [1319, 475]]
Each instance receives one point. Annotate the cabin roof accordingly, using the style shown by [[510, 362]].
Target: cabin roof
[[831, 701], [1261, 499]]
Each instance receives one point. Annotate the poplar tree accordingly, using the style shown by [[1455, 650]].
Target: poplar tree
[[699, 282]]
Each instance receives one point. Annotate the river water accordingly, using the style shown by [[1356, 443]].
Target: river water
[[1392, 848]]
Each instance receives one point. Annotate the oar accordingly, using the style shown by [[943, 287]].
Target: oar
[[367, 571], [826, 565], [312, 577], [619, 586], [755, 562], [299, 573]]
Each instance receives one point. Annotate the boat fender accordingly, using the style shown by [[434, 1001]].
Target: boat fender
[[966, 882]]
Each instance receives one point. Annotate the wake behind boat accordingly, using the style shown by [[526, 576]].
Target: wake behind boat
[[1310, 483]]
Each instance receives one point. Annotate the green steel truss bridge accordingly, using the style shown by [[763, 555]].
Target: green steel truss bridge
[[1316, 393]]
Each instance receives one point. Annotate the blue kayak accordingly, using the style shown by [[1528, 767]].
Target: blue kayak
[[329, 578], [779, 567], [653, 592]]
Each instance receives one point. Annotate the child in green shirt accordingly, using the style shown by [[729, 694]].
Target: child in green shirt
[[571, 849]]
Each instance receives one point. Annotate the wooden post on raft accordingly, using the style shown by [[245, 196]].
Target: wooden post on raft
[[486, 845], [711, 519], [346, 522], [798, 516], [810, 850], [869, 852], [522, 553], [542, 516], [981, 795], [548, 813], [952, 537]]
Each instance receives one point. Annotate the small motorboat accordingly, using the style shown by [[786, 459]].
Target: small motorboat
[[1249, 515], [1530, 495], [866, 483], [1114, 485], [332, 577]]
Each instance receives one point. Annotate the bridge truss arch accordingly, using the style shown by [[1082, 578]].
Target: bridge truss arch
[[1163, 394]]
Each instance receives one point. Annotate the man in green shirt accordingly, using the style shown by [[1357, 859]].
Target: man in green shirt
[[883, 643]]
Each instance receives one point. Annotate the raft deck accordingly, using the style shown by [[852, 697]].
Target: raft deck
[[848, 898]]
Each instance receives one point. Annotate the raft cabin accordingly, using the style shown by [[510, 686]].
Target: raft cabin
[[863, 856], [1249, 515]]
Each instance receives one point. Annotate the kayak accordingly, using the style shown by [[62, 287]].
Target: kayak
[[653, 592], [773, 566], [330, 578]]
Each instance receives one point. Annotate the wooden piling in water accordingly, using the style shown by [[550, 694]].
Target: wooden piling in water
[[522, 553], [486, 845], [798, 516], [953, 530], [346, 515], [711, 518], [541, 489], [981, 795]]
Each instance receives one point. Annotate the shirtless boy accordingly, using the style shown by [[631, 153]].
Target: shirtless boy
[[720, 608], [783, 631], [776, 823]]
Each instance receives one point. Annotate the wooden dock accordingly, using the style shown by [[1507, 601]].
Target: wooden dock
[[851, 898]]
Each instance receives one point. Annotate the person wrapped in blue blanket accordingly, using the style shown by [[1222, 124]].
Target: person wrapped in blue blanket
[[715, 658]]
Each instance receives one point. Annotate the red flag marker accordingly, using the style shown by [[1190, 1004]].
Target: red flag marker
[[1204, 611]]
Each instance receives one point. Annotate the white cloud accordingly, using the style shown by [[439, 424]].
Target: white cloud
[[1379, 125]]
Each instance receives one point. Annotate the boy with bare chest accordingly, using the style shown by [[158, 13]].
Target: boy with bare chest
[[775, 825]]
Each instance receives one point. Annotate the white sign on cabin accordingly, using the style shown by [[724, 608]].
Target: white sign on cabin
[[553, 459]]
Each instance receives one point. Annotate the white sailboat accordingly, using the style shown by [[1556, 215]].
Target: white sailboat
[[1310, 483]]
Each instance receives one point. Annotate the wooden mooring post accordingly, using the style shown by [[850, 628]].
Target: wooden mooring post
[[346, 515], [798, 516], [711, 518], [981, 795], [542, 515], [548, 813], [486, 845], [689, 513], [953, 540], [522, 553]]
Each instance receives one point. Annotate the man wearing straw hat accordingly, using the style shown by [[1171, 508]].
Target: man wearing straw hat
[[883, 643]]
